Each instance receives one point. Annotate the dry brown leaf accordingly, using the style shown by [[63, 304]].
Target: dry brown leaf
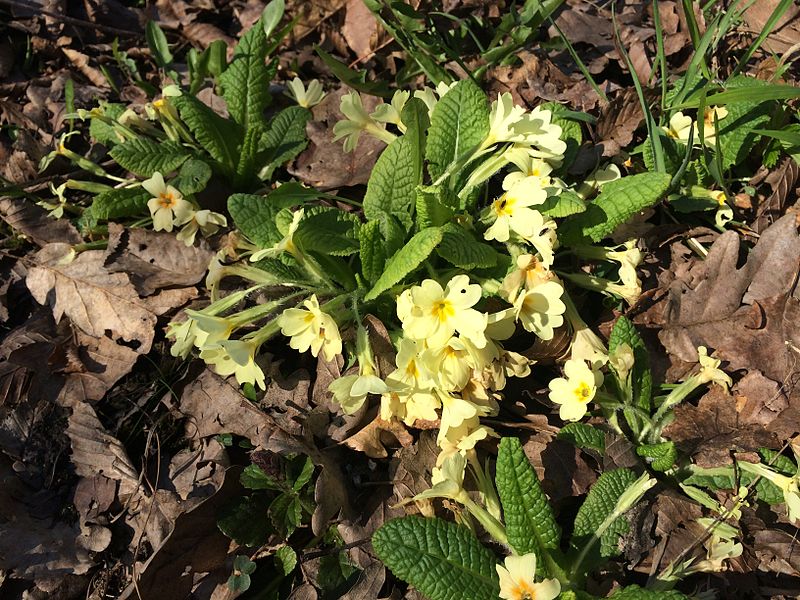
[[214, 406], [360, 28], [81, 62], [97, 452], [154, 260], [786, 31], [618, 121], [781, 180], [34, 222], [95, 300], [194, 546], [369, 583], [778, 551], [324, 164], [34, 545], [715, 304], [371, 439], [714, 430]]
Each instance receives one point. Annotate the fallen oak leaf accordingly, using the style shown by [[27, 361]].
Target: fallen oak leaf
[[371, 439], [712, 305], [95, 300], [154, 260]]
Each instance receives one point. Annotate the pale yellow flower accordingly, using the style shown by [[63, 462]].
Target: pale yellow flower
[[536, 129], [512, 212], [529, 273], [167, 206], [540, 309], [205, 221], [286, 244], [679, 125], [351, 391], [788, 485], [357, 121], [452, 363], [575, 392], [710, 371], [503, 115], [306, 97], [438, 313], [311, 328], [517, 580], [235, 357], [390, 112]]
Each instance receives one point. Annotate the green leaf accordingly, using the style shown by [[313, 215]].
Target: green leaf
[[624, 332], [406, 260], [372, 251], [564, 205], [461, 249], [286, 559], [673, 153], [391, 188], [328, 231], [243, 567], [157, 42], [337, 269], [600, 504], [193, 177], [723, 478], [634, 592], [442, 560], [305, 474], [253, 477], [779, 462], [219, 137], [736, 131], [530, 523], [245, 176], [143, 156], [255, 217], [432, 211], [582, 435], [245, 83], [294, 192], [272, 15], [618, 201], [354, 79], [460, 122], [245, 521], [285, 139], [103, 132], [286, 513], [119, 203], [662, 456]]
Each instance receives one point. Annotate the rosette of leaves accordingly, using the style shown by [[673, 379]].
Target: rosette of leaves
[[242, 150]]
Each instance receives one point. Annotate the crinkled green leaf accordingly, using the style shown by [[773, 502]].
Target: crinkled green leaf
[[661, 456], [618, 201], [119, 203], [564, 205], [779, 462], [143, 156], [219, 137], [391, 188], [283, 272], [460, 248], [103, 132], [624, 332], [372, 251], [284, 139], [193, 177], [328, 231], [723, 478], [245, 176], [599, 504], [460, 122], [245, 521], [673, 153], [286, 558], [406, 260], [337, 269], [634, 592], [393, 233], [431, 208], [736, 135], [530, 523], [255, 217], [583, 436], [245, 83], [442, 560]]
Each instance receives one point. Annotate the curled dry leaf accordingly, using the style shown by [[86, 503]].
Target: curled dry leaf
[[781, 180], [714, 304], [371, 439], [154, 260], [33, 222], [95, 300]]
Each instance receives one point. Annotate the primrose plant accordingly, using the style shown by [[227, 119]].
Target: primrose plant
[[175, 147]]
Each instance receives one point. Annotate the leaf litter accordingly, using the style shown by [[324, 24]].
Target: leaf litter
[[105, 309]]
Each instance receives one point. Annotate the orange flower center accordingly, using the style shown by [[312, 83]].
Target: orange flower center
[[524, 591], [166, 200]]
